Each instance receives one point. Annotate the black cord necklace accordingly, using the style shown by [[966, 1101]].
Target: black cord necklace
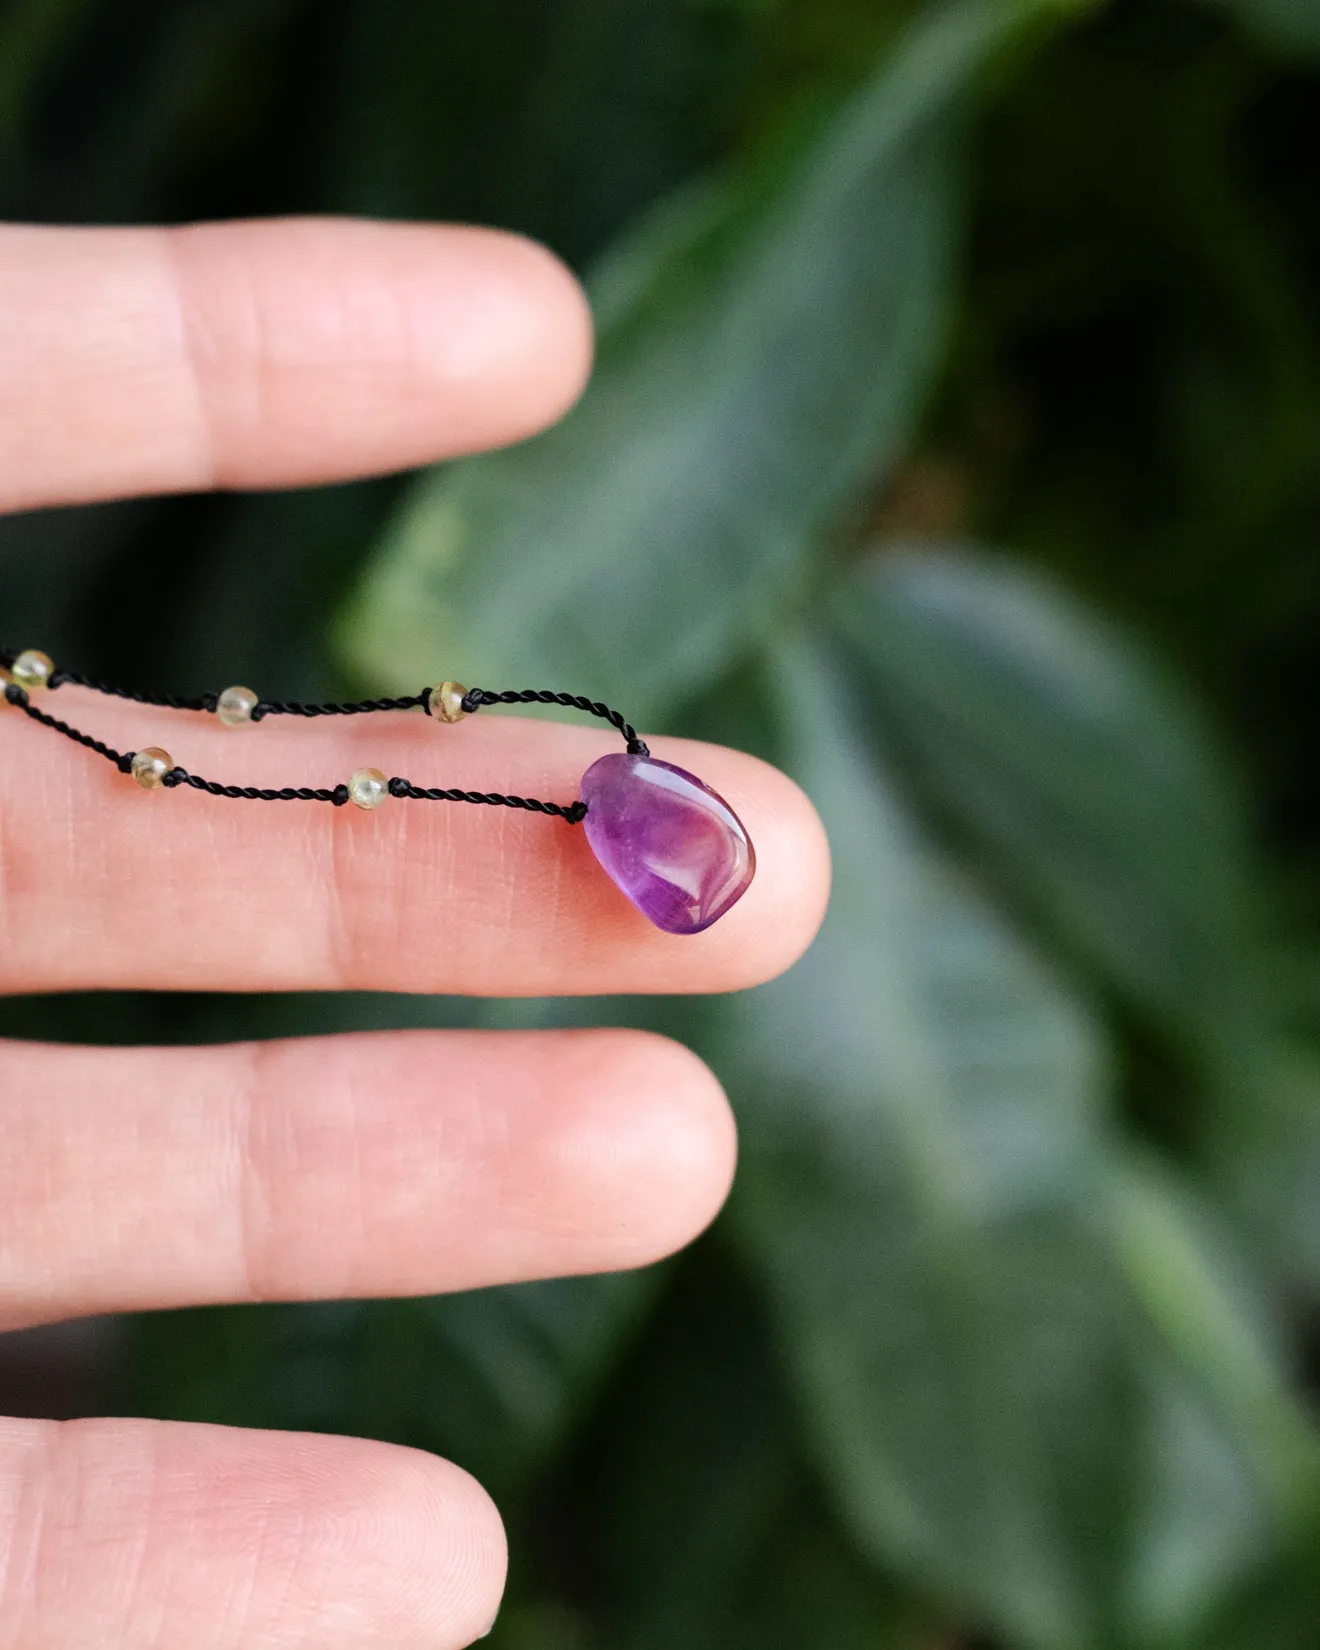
[[673, 845]]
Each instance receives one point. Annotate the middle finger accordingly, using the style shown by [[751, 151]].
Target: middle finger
[[387, 1163]]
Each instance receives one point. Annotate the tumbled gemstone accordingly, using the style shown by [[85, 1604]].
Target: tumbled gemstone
[[674, 846]]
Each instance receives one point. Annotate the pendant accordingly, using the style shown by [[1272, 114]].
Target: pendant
[[674, 846]]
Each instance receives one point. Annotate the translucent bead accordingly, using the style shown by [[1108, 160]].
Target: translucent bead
[[235, 705], [32, 669], [446, 702], [150, 766], [368, 788]]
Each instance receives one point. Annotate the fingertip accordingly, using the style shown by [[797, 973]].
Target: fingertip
[[797, 886], [694, 1141], [438, 1541], [181, 1533], [539, 334], [650, 1151], [781, 912], [407, 1546]]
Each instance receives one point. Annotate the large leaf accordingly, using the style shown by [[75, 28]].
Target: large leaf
[[1067, 762], [926, 1160], [765, 345]]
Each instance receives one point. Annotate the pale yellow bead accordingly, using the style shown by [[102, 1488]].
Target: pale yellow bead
[[368, 788], [32, 669], [446, 702], [150, 766], [235, 705]]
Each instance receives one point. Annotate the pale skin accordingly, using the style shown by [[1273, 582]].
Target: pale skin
[[270, 355]]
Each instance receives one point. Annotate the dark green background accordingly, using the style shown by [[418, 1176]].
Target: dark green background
[[955, 442]]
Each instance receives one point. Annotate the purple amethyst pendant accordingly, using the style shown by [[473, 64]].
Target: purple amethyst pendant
[[674, 846]]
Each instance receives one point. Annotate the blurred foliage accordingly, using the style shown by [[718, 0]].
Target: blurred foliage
[[954, 443]]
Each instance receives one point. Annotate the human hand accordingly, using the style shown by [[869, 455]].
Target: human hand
[[278, 354]]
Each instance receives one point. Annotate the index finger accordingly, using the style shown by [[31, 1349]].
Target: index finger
[[110, 885], [271, 353]]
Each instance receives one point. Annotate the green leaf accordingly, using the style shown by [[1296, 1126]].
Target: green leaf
[[510, 1372], [1277, 1611], [1064, 760], [1263, 1158], [1198, 1519], [765, 347], [32, 33], [1231, 1474], [560, 139], [1289, 25], [496, 1379], [927, 1166], [1213, 1318], [714, 1535]]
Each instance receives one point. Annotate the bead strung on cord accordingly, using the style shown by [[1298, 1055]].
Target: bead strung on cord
[[149, 767], [32, 669], [155, 769], [235, 706]]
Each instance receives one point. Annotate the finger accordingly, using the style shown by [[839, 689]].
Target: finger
[[273, 353], [143, 1534], [377, 1164], [105, 884]]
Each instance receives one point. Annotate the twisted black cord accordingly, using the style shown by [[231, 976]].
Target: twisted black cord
[[256, 793], [274, 707], [474, 698], [18, 696], [168, 701], [573, 812]]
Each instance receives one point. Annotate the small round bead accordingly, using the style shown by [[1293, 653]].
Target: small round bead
[[150, 767], [446, 702], [368, 788], [235, 705], [32, 669]]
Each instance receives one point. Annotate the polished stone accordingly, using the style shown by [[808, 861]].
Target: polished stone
[[674, 846]]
